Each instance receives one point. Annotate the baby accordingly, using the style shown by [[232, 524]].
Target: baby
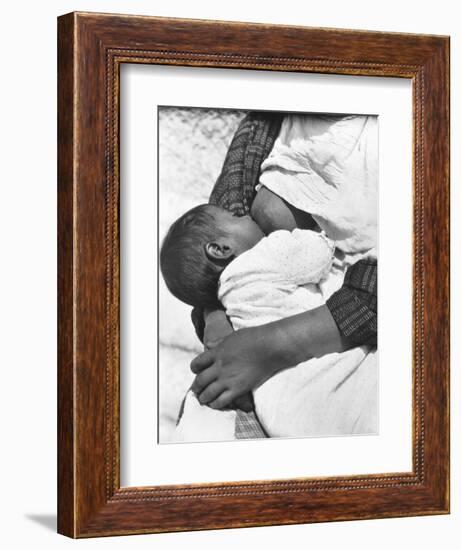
[[201, 244], [211, 256], [197, 248]]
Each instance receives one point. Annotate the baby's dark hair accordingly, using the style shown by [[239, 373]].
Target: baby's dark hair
[[188, 272]]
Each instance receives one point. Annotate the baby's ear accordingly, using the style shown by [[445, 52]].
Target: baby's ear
[[218, 251]]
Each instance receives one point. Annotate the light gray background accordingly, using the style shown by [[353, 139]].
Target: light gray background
[[192, 147]]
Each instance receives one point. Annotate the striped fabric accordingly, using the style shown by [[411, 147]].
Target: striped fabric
[[354, 306], [234, 189], [247, 426]]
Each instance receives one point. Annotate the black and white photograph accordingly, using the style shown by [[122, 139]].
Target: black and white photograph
[[198, 200], [268, 260]]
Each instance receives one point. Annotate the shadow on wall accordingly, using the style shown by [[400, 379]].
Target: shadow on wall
[[192, 146], [47, 521]]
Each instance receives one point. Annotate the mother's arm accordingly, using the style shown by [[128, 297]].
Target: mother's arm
[[248, 357], [245, 359]]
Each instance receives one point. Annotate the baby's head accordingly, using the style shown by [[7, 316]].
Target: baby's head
[[198, 246]]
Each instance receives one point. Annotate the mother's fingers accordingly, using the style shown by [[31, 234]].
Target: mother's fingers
[[245, 402], [203, 379], [202, 361], [211, 392], [223, 401]]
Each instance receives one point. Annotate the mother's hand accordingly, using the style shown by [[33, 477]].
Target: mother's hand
[[245, 359], [217, 327], [234, 367]]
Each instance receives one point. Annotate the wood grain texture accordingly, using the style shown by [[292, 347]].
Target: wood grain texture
[[91, 49], [66, 471]]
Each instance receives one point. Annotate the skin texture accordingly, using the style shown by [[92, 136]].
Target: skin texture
[[245, 359], [216, 329], [240, 233], [271, 213], [235, 363]]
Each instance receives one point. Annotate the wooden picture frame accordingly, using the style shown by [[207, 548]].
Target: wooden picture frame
[[92, 48]]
